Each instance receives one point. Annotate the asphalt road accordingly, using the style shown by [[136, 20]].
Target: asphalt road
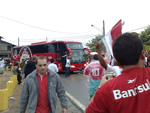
[[77, 85]]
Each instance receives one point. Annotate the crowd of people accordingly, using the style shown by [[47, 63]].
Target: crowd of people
[[111, 88], [41, 85], [129, 91]]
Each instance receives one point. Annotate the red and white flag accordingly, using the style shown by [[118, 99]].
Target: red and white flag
[[109, 38]]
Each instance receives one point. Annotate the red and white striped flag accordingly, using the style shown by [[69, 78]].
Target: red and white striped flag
[[109, 38]]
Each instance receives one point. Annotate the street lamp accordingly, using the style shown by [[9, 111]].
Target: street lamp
[[97, 29], [103, 32]]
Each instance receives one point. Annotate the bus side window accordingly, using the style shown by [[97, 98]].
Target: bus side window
[[52, 47]]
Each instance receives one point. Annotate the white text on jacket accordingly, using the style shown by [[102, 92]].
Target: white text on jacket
[[132, 92]]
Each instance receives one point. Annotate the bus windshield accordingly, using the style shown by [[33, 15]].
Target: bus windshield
[[77, 54]]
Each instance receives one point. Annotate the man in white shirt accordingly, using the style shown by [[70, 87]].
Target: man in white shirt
[[67, 66], [53, 66], [2, 64]]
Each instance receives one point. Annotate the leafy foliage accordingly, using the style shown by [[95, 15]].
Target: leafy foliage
[[91, 43], [145, 37], [147, 48]]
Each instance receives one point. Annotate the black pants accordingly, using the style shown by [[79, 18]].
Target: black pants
[[19, 78]]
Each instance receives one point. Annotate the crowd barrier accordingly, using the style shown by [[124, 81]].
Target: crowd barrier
[[11, 68], [15, 79], [8, 92], [10, 87], [7, 68], [3, 99]]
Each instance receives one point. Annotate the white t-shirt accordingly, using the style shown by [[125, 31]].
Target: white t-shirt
[[116, 69], [67, 63], [145, 60], [53, 67]]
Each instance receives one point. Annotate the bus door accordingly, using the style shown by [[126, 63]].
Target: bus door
[[62, 54]]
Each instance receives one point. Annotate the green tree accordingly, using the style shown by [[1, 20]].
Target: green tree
[[147, 48], [145, 37], [91, 43]]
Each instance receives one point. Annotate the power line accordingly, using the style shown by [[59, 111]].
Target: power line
[[68, 37], [80, 37], [54, 30], [139, 28], [37, 27]]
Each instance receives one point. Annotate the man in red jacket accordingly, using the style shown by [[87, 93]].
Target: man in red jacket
[[129, 92]]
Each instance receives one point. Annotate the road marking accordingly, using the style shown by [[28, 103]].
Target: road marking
[[78, 103]]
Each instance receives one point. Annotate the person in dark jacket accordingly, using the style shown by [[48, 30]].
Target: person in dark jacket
[[18, 70], [30, 66]]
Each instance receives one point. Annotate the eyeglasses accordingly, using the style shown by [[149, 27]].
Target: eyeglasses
[[40, 65]]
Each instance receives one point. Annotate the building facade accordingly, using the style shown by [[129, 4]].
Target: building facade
[[5, 48]]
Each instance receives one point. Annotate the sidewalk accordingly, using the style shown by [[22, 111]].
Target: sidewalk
[[13, 105]]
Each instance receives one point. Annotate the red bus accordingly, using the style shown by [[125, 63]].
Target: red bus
[[55, 49]]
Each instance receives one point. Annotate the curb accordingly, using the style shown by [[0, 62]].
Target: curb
[[76, 103]]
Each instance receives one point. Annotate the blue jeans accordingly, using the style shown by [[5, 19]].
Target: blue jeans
[[22, 71], [67, 71]]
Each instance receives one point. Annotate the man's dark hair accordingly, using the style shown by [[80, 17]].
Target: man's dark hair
[[52, 60], [41, 58], [127, 49], [95, 57]]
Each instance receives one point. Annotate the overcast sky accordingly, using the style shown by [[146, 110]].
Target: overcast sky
[[34, 20]]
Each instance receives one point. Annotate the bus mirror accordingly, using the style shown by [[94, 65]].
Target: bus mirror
[[69, 51], [86, 51]]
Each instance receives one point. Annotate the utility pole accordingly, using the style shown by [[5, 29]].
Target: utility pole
[[103, 28], [104, 34], [18, 41], [46, 39]]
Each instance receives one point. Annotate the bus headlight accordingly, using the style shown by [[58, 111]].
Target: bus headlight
[[72, 66], [85, 64]]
